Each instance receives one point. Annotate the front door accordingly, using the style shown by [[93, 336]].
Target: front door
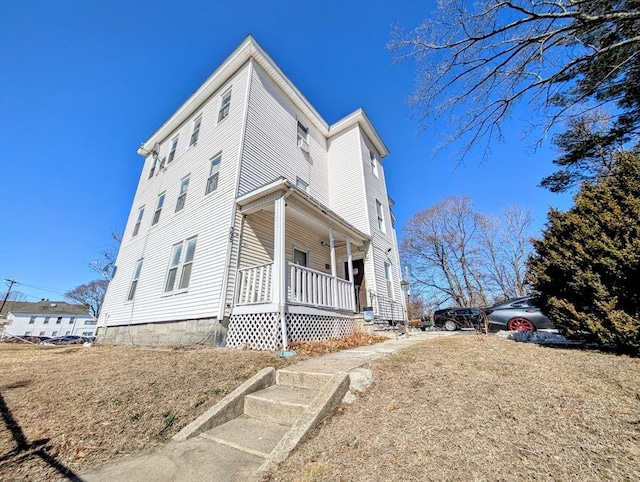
[[358, 282]]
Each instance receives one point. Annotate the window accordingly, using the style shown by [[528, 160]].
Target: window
[[182, 197], [59, 320], [32, 320], [156, 215], [303, 132], [302, 184], [72, 319], [41, 333], [179, 267], [224, 106], [67, 333], [380, 216], [153, 167], [27, 333], [46, 320], [212, 182], [87, 333], [134, 283], [387, 275], [374, 163], [136, 228], [300, 257], [172, 152], [195, 132], [55, 333], [90, 322]]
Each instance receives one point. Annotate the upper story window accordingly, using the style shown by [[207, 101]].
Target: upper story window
[[180, 267], [59, 320], [373, 159], [134, 282], [32, 320], [153, 167], [303, 137], [172, 152], [224, 106], [136, 228], [300, 184], [156, 214], [212, 181], [72, 319], [380, 216], [182, 197], [196, 131], [46, 320]]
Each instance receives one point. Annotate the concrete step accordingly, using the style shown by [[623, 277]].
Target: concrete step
[[278, 403], [251, 435], [293, 378]]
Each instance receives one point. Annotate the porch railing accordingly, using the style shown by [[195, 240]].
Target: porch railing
[[312, 287], [254, 284], [385, 308]]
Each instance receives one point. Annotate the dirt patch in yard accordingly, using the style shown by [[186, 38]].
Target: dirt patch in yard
[[78, 407], [467, 408]]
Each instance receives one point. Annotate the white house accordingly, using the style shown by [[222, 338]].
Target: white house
[[49, 318], [254, 220]]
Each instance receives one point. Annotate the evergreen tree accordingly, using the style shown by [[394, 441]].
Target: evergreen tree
[[586, 268]]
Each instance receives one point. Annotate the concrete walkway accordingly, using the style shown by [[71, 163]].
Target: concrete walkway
[[201, 459]]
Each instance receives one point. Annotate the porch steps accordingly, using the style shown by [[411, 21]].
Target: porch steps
[[279, 404], [310, 380]]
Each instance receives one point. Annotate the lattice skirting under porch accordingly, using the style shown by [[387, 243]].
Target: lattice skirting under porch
[[261, 331]]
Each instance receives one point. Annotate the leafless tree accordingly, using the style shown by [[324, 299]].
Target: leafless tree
[[90, 295], [462, 257], [476, 61], [13, 297], [106, 262]]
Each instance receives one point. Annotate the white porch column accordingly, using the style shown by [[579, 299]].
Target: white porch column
[[334, 282], [350, 268], [279, 276]]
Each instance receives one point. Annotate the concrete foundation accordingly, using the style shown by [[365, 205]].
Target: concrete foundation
[[204, 331]]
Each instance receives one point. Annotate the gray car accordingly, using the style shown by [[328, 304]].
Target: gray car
[[518, 314]]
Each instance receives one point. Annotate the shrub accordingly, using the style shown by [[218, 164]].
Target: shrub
[[586, 268]]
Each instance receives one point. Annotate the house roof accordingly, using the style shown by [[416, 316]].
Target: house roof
[[249, 49], [46, 307]]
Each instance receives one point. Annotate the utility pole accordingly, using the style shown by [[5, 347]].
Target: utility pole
[[6, 297]]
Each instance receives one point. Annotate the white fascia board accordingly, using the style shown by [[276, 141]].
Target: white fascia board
[[359, 117], [247, 49]]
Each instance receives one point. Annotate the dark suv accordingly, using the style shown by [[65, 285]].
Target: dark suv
[[452, 319]]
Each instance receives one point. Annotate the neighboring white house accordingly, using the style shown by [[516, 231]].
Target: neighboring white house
[[253, 214], [49, 318]]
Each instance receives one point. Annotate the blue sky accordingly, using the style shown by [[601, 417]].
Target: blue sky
[[83, 83]]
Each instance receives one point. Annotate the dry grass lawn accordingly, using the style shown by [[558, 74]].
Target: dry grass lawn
[[464, 408], [79, 407]]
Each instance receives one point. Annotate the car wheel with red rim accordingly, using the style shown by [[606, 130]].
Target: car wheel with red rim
[[520, 324]]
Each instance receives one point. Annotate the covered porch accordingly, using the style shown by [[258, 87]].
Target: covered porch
[[295, 275]]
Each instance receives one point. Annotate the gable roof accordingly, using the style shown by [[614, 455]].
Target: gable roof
[[249, 49], [46, 307]]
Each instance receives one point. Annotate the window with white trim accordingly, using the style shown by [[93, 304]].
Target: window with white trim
[[179, 272], [387, 276], [59, 320], [303, 132], [300, 184], [72, 319], [134, 282], [136, 228], [380, 216], [374, 163], [182, 197], [67, 333], [159, 204], [46, 320], [300, 257], [153, 167], [195, 131], [87, 333], [27, 333], [172, 152], [32, 320], [42, 333], [54, 333], [212, 181], [225, 104]]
